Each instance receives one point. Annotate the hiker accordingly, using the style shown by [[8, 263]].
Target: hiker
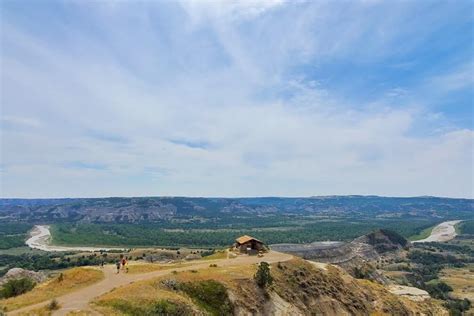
[[102, 264], [118, 267], [124, 262]]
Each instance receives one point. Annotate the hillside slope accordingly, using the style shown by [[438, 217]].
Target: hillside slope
[[367, 247], [299, 288]]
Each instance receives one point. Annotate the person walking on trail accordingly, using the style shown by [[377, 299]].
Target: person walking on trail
[[125, 264], [118, 267]]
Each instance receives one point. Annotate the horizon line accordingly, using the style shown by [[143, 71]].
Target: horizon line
[[236, 197]]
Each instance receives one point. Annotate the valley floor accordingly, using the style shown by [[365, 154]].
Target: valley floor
[[40, 238]]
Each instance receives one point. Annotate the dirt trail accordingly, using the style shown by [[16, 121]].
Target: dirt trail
[[80, 299]]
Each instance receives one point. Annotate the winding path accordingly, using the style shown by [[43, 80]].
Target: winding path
[[80, 299], [443, 232]]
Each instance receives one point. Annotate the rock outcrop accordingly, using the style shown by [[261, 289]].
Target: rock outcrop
[[19, 273]]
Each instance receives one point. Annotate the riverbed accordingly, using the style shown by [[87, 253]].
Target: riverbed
[[443, 232], [40, 238]]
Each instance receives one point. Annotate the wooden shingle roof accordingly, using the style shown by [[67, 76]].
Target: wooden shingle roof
[[245, 238]]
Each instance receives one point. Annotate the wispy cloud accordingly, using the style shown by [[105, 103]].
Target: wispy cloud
[[84, 165], [9, 121], [107, 136], [191, 143], [458, 79]]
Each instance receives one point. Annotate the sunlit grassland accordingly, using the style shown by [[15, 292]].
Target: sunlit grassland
[[143, 294], [72, 280], [461, 280], [425, 233]]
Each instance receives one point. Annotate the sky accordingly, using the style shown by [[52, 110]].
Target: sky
[[236, 98]]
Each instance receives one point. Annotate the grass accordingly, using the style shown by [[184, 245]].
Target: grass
[[73, 279], [461, 280], [158, 307], [296, 281], [79, 313], [137, 299], [138, 268], [143, 295], [457, 228], [210, 295], [199, 236], [202, 291], [16, 251], [219, 254], [425, 233], [143, 268], [42, 311], [466, 227]]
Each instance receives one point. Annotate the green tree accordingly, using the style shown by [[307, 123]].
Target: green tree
[[263, 276]]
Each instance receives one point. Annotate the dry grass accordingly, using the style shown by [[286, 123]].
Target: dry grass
[[137, 268], [147, 292], [220, 274], [141, 267], [73, 279], [312, 289], [138, 294], [42, 311], [79, 313], [220, 254], [461, 280]]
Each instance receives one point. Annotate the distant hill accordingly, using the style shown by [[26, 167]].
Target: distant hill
[[356, 257], [369, 246], [384, 240], [152, 209]]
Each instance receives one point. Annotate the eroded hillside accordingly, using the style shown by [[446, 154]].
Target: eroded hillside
[[299, 288]]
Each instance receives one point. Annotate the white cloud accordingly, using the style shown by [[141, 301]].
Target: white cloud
[[116, 117]]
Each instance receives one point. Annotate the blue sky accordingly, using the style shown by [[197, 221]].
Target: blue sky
[[242, 98]]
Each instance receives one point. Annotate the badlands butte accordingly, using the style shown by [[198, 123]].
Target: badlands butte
[[265, 256]]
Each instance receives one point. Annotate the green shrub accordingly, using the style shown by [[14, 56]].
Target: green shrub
[[53, 305], [263, 276], [438, 290], [168, 308], [210, 295], [161, 307], [17, 287], [457, 307]]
